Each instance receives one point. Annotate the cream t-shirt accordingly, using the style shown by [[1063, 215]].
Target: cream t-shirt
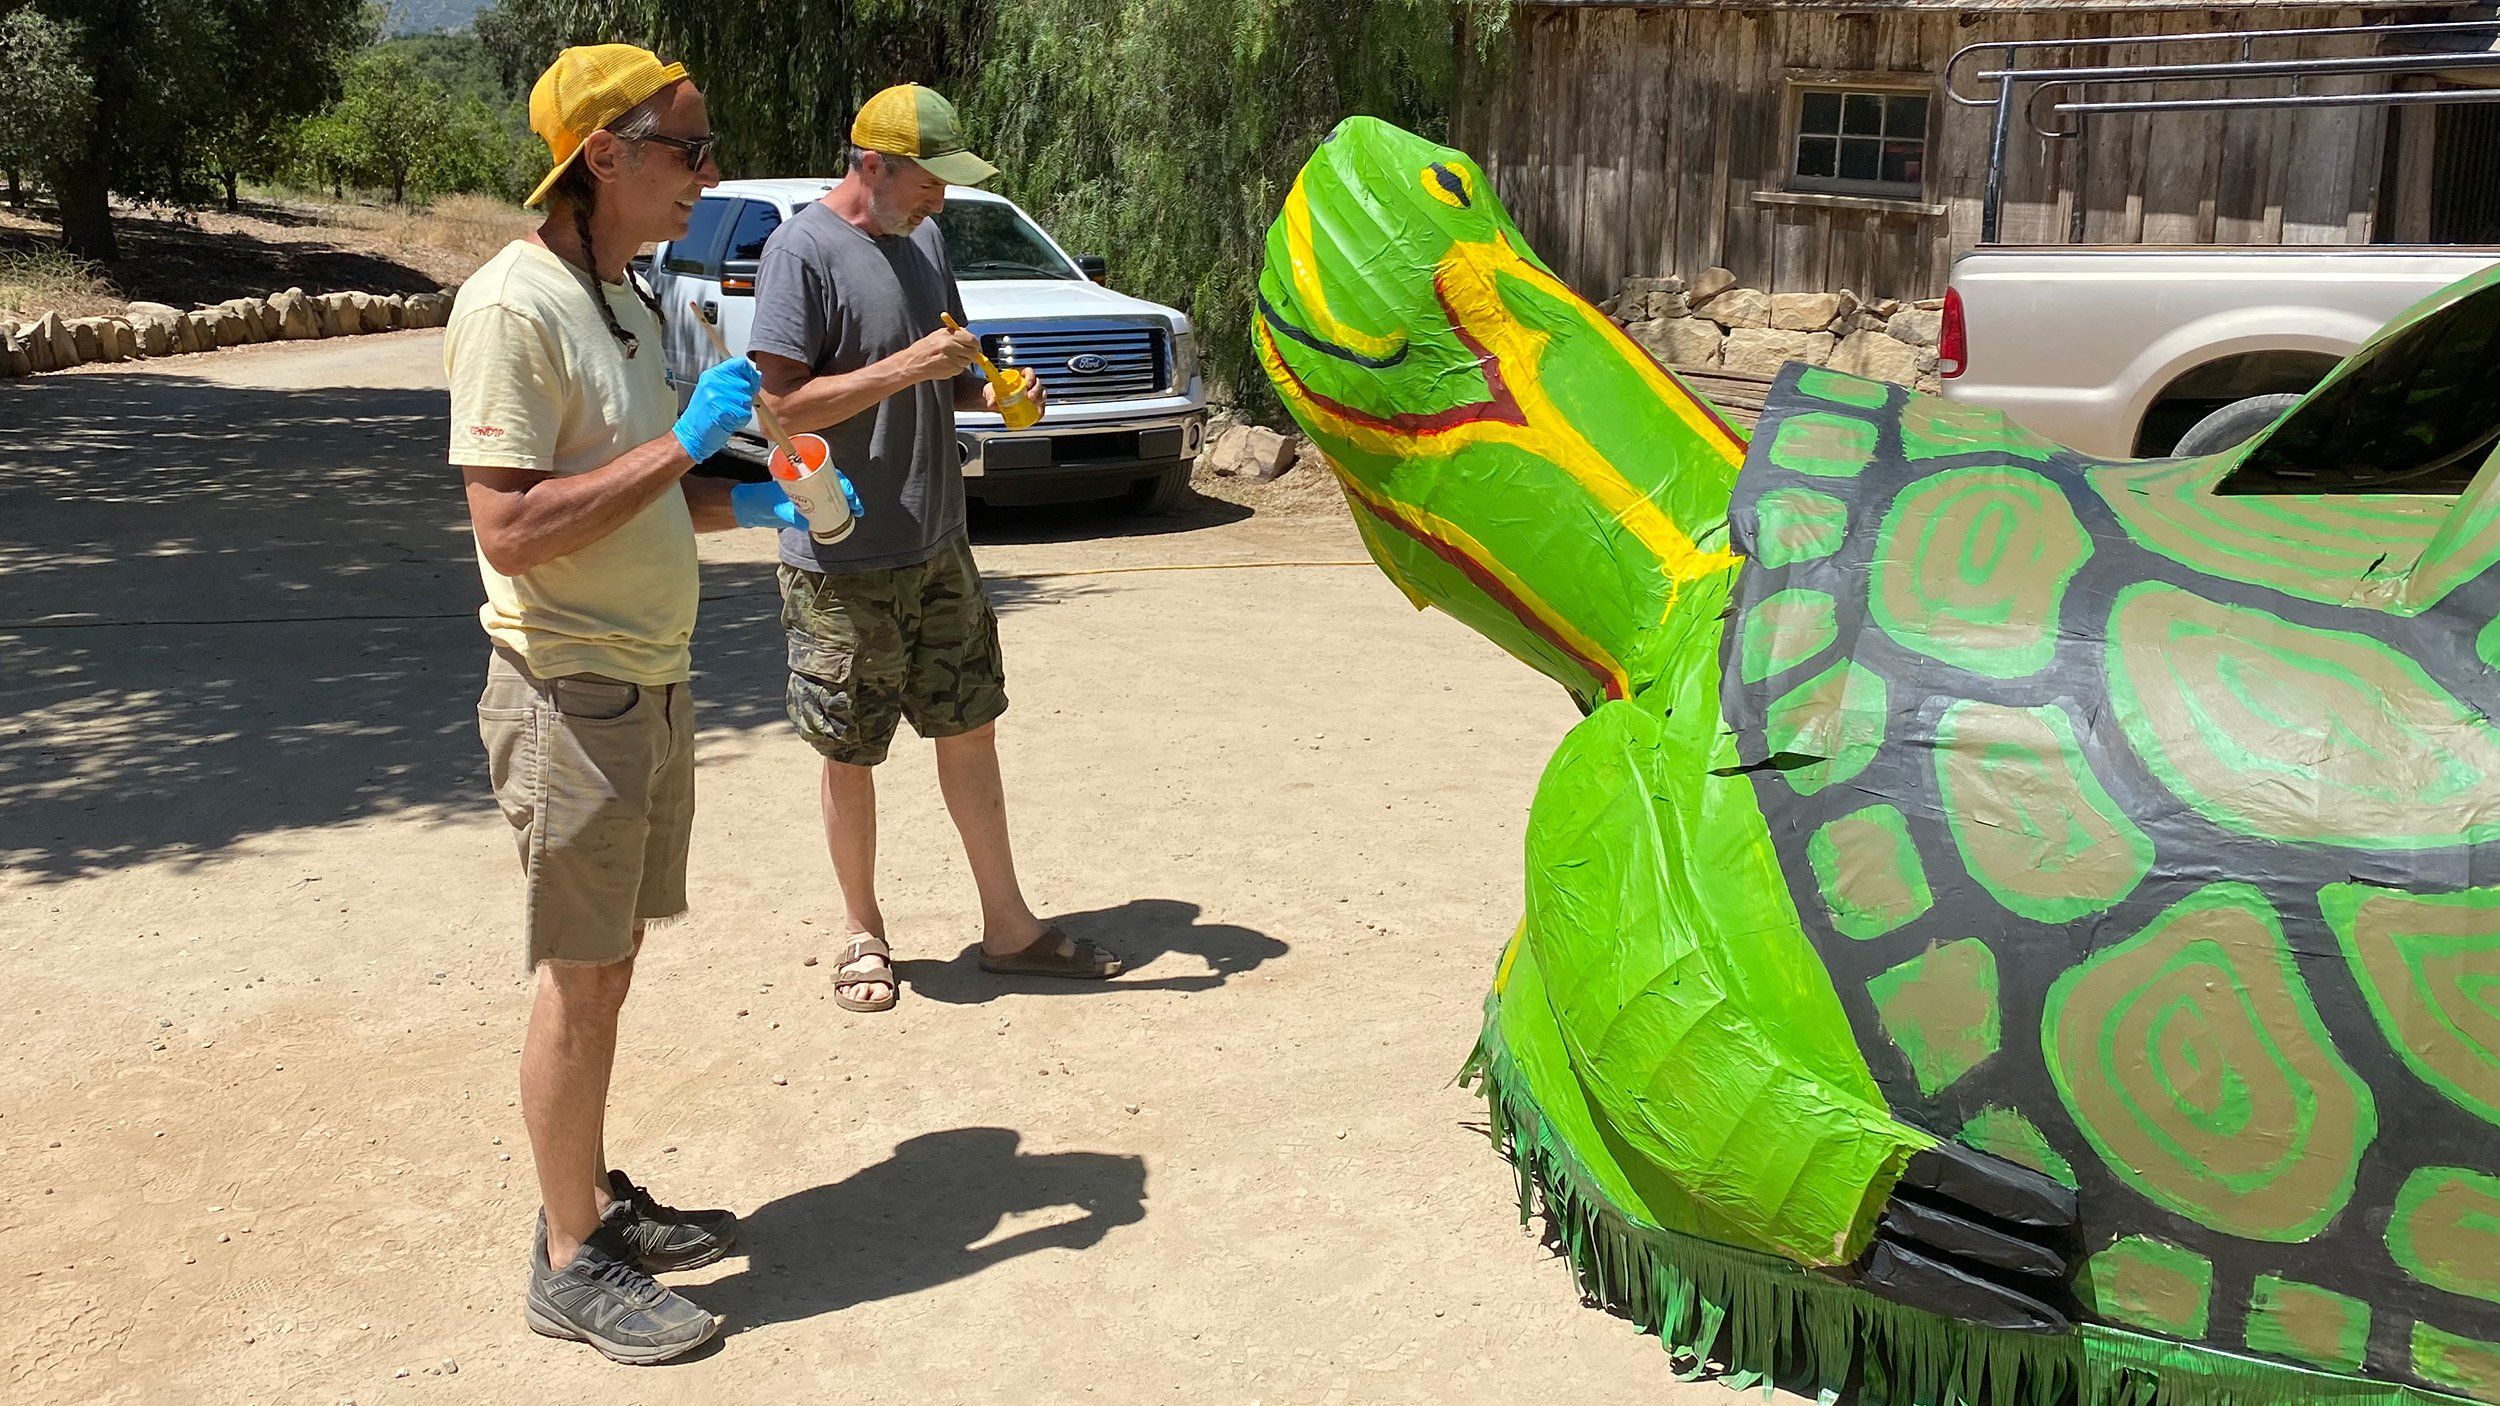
[[538, 382]]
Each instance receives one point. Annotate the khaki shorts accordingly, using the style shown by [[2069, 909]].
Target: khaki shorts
[[597, 777], [870, 648]]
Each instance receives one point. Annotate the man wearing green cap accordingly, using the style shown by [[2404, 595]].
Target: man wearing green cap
[[574, 455], [892, 624]]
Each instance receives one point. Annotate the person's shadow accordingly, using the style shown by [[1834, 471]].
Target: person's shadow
[[917, 1220], [1140, 932]]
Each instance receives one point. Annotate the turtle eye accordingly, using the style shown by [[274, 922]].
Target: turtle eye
[[1450, 185]]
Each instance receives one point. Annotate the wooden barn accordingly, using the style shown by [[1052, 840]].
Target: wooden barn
[[1810, 145]]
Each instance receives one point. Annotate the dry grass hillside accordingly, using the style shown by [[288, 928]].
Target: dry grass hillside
[[193, 257]]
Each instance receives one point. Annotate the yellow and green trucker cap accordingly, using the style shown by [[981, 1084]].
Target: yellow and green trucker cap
[[909, 120], [587, 88]]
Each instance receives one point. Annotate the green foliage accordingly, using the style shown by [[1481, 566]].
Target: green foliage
[[390, 115], [1162, 135], [1165, 136], [155, 95], [521, 38], [43, 89]]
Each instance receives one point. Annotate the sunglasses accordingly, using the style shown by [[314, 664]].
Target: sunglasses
[[696, 150]]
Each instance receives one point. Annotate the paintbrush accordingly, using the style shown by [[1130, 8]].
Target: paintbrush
[[771, 422]]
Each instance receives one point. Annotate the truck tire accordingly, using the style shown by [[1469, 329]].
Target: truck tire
[[2233, 424], [1165, 492]]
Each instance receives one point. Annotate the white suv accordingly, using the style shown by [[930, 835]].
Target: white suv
[[1127, 411]]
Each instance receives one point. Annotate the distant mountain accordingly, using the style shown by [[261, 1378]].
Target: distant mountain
[[432, 16]]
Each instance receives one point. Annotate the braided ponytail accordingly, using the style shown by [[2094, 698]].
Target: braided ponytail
[[579, 190]]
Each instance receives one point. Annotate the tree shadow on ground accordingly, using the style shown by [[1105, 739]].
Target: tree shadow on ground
[[170, 259], [1141, 932], [229, 611], [920, 1218], [1086, 521]]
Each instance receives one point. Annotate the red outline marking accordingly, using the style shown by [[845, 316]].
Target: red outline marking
[[1608, 679]]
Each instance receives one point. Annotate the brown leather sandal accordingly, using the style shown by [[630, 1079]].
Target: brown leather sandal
[[864, 944], [1054, 953]]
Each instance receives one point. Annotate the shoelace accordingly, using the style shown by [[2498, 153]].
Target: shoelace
[[618, 1274], [648, 1209]]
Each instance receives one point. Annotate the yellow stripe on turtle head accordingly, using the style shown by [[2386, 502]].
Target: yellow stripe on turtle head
[[1310, 293]]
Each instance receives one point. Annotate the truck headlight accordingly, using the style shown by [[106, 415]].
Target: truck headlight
[[1184, 357]]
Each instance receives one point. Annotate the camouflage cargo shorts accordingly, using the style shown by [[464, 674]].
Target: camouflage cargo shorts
[[870, 648]]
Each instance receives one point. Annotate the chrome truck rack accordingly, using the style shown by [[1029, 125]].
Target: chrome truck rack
[[2059, 102]]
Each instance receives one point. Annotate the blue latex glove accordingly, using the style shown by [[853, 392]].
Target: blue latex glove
[[723, 399], [764, 505]]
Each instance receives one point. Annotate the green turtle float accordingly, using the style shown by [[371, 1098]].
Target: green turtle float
[[2011, 928]]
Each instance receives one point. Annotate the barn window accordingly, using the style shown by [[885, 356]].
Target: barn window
[[1859, 141]]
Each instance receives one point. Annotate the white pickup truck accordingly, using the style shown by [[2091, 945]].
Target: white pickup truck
[[2147, 351], [1127, 411]]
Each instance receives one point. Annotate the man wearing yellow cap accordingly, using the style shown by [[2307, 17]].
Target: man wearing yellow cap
[[892, 624], [568, 438]]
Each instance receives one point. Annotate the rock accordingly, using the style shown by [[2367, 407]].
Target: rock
[[1709, 284], [395, 308], [371, 314], [339, 317], [1665, 303], [1762, 351], [249, 315], [1920, 327], [14, 358], [429, 309], [1739, 307], [158, 325], [1640, 286], [1929, 305], [1807, 312], [298, 318], [1883, 307], [1876, 355], [1609, 305], [90, 342], [199, 330], [1679, 341], [1253, 452], [229, 325], [124, 338], [59, 344]]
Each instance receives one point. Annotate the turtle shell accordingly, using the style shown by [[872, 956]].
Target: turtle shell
[[2152, 839]]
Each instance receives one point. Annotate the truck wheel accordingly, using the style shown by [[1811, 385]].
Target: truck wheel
[[1165, 492], [2233, 424]]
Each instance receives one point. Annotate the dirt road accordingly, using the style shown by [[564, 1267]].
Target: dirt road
[[258, 1139]]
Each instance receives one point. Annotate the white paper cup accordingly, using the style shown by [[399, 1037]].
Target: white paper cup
[[815, 488]]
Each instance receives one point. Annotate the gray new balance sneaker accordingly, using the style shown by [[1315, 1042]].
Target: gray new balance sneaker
[[665, 1238], [604, 1299]]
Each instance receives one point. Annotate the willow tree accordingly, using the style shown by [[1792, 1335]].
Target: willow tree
[[1161, 134]]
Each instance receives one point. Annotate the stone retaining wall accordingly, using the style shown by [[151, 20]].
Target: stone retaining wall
[[1709, 324], [56, 343]]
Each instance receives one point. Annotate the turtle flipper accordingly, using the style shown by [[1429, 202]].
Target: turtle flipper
[[1977, 1238]]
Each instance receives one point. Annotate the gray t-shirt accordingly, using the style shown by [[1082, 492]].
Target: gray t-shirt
[[838, 298]]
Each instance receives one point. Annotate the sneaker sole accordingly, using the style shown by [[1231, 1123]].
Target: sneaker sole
[[548, 1326]]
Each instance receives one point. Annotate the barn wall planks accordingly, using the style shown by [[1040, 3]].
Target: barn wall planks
[[1635, 139]]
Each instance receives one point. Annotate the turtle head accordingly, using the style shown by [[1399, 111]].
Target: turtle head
[[1350, 305], [1510, 456]]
